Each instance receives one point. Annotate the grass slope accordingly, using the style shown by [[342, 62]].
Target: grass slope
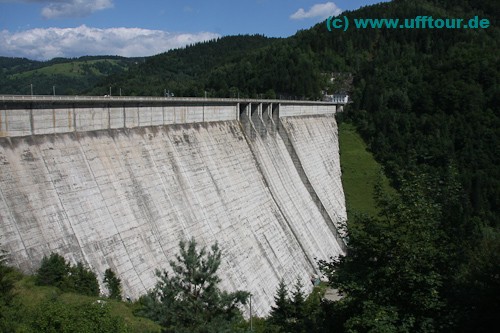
[[30, 297], [360, 172]]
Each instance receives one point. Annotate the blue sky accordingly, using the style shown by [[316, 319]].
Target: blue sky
[[43, 29]]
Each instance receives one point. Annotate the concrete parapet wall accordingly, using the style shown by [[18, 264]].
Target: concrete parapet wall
[[56, 119], [15, 122], [291, 110], [39, 115]]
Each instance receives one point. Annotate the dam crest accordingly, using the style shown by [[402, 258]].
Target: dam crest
[[117, 182]]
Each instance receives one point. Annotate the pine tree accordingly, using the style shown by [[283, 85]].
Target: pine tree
[[53, 271], [6, 294], [82, 280], [298, 307], [113, 283], [281, 312], [190, 300]]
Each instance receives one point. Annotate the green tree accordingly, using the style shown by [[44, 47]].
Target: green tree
[[81, 280], [113, 283], [293, 312], [190, 300], [299, 310], [53, 271], [281, 312], [392, 279], [6, 293]]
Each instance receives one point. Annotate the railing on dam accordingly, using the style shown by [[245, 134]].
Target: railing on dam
[[22, 115], [338, 99]]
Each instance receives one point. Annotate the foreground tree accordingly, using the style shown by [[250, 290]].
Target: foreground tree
[[55, 271], [114, 284], [393, 277], [6, 293], [189, 300], [294, 312], [281, 312], [82, 280]]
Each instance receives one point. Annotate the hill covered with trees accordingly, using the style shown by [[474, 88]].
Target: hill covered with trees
[[20, 76], [187, 71]]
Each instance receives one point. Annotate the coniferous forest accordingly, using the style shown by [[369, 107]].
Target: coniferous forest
[[427, 103]]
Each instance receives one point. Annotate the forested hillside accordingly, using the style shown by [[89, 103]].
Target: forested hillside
[[427, 103], [19, 76], [186, 71]]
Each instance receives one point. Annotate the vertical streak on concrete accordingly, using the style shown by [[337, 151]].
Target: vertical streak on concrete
[[331, 221], [138, 115], [100, 192], [314, 234], [74, 118], [109, 116], [32, 125], [53, 120], [63, 212], [69, 118], [321, 169], [10, 218], [124, 117]]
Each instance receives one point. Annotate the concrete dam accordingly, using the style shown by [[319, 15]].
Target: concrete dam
[[117, 182]]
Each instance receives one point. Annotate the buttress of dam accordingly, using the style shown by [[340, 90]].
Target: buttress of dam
[[261, 179]]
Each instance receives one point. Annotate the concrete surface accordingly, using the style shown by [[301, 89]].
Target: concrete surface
[[123, 198]]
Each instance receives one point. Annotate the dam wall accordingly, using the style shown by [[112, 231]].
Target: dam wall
[[319, 158], [52, 116], [39, 115], [123, 197]]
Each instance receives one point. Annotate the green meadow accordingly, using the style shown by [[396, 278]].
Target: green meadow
[[360, 172]]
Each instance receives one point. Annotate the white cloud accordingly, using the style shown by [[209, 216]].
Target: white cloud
[[69, 8], [44, 44], [74, 8], [320, 10]]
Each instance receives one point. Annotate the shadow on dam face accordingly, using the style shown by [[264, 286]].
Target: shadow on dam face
[[123, 199]]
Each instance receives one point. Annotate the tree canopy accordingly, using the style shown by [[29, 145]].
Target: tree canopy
[[189, 299]]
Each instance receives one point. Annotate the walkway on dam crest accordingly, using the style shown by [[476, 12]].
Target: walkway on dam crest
[[336, 99], [38, 115]]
